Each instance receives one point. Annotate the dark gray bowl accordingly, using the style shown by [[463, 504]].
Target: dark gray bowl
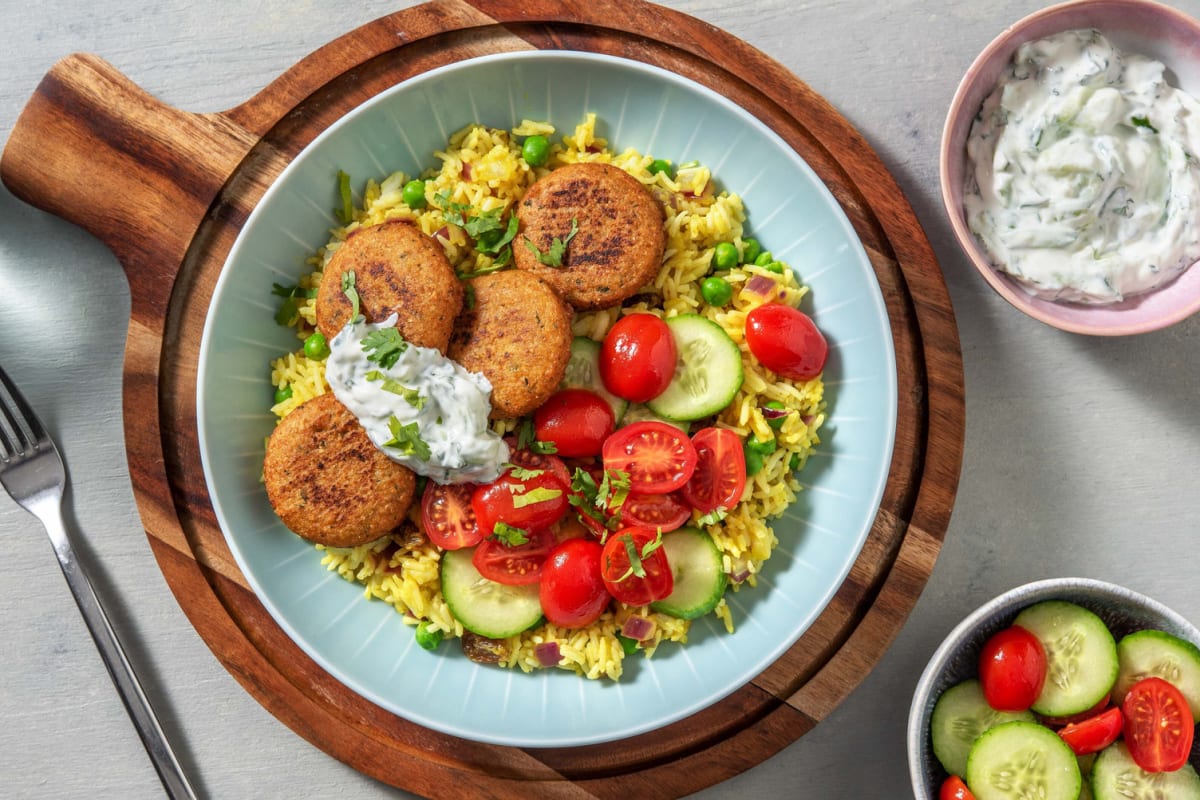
[[1124, 612]]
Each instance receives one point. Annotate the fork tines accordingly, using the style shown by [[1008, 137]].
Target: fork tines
[[19, 426]]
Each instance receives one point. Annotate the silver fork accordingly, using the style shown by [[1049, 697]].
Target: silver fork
[[32, 472]]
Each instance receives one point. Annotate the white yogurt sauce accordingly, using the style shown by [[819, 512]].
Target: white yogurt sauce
[[448, 404], [1083, 181]]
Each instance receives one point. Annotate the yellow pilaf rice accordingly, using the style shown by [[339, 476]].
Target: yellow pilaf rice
[[404, 571]]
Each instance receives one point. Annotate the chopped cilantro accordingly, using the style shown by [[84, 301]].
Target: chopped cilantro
[[345, 214], [636, 567], [527, 440], [558, 248], [351, 292], [711, 518], [1143, 122], [384, 346], [407, 439], [541, 494], [492, 235], [289, 309], [412, 396], [522, 474], [508, 535]]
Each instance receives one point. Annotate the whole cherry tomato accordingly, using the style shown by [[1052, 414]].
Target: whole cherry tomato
[[634, 567], [571, 591], [530, 503], [576, 421], [1095, 733], [1158, 725], [953, 788], [786, 341], [1012, 669], [637, 357]]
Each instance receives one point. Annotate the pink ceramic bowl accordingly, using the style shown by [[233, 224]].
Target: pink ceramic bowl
[[1138, 26]]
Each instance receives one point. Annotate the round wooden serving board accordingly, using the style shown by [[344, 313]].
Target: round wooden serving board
[[168, 192]]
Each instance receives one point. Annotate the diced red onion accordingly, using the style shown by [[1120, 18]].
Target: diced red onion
[[740, 576], [762, 286], [773, 413], [808, 420], [443, 233], [548, 654], [638, 628], [466, 171]]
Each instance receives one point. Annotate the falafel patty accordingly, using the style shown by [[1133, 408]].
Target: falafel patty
[[620, 240], [397, 269], [517, 333], [328, 482]]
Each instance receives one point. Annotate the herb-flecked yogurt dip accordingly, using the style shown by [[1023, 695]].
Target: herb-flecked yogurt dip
[[1083, 181]]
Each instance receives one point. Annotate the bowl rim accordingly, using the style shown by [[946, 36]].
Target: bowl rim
[[1006, 287], [1030, 593]]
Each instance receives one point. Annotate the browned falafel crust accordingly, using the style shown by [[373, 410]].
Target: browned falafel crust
[[516, 332], [328, 482], [397, 269], [619, 245]]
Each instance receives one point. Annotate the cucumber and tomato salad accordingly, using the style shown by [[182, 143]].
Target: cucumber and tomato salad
[[1055, 691]]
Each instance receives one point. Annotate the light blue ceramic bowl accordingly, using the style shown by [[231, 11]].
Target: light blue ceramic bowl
[[365, 644]]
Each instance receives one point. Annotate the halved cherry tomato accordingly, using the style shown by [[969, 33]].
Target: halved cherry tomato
[[1158, 725], [1074, 719], [658, 457], [531, 460], [953, 788], [576, 421], [786, 341], [515, 565], [620, 570], [1095, 733], [447, 516], [720, 476], [572, 592], [637, 357], [664, 512], [531, 504], [1012, 669]]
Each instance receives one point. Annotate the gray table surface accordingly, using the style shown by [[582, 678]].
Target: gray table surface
[[1081, 453]]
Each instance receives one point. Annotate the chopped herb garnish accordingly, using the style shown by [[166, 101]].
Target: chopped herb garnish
[[407, 439], [345, 214], [508, 535], [289, 309], [491, 234], [613, 489], [384, 346], [351, 292], [541, 494], [527, 440], [492, 240], [522, 474], [636, 567], [558, 248], [412, 396], [1143, 122], [713, 517]]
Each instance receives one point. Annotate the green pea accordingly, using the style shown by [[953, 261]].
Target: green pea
[[716, 291], [794, 462], [763, 258], [750, 250], [414, 194], [761, 447], [282, 394], [535, 150], [725, 255], [775, 267], [659, 165], [627, 644], [754, 461], [315, 346], [775, 422], [427, 637]]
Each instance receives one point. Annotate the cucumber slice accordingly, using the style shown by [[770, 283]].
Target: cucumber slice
[[583, 372], [708, 372], [1158, 653], [1116, 776], [959, 717], [699, 574], [490, 609], [1022, 760], [1081, 656]]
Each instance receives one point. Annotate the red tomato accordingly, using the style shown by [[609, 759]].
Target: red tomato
[[621, 579], [1012, 669], [1158, 725], [531, 504], [531, 460], [658, 457], [571, 591], [447, 516], [516, 565], [1074, 719], [953, 788], [720, 476], [1095, 733], [637, 357], [785, 341], [576, 421], [664, 512]]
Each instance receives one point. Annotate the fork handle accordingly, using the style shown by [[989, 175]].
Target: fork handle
[[119, 668]]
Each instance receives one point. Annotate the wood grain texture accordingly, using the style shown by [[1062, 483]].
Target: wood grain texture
[[131, 151]]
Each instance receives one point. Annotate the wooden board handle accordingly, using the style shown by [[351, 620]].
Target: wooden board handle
[[97, 150]]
